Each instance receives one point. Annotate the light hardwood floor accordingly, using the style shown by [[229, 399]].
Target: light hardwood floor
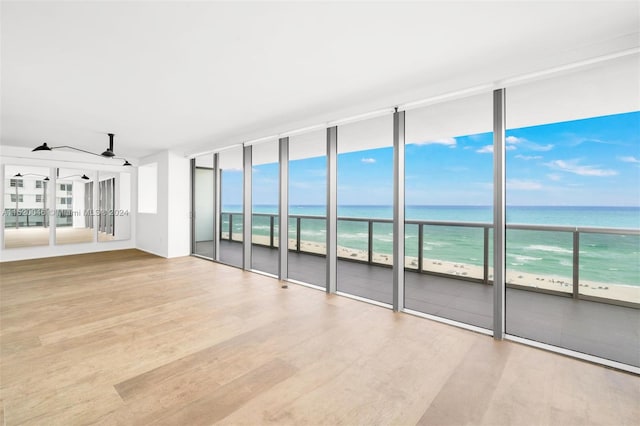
[[128, 338]]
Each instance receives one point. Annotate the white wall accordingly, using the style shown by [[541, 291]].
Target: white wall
[[24, 157], [179, 225], [167, 232]]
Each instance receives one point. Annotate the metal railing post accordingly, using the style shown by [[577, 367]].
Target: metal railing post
[[576, 264], [486, 255], [298, 219], [370, 241], [230, 226], [271, 222], [420, 247]]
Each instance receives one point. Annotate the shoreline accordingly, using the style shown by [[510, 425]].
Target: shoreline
[[621, 292]]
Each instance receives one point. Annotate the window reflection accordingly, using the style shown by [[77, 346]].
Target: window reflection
[[74, 206], [26, 206]]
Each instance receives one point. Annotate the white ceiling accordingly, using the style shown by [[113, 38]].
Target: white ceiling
[[194, 76]]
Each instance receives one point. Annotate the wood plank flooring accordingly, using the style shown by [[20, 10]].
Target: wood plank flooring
[[128, 338]]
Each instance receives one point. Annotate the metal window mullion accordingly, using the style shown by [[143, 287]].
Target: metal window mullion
[[216, 207], [332, 209], [193, 205], [246, 208], [499, 201], [53, 214], [398, 211], [283, 221]]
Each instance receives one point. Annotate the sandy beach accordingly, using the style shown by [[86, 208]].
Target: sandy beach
[[547, 282]]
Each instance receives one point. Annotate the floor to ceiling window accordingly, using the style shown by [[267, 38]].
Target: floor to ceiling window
[[265, 208], [308, 208], [231, 200], [365, 208], [448, 213], [572, 242], [203, 194], [573, 211]]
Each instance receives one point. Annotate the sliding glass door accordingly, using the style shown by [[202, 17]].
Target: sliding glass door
[[231, 200], [264, 209], [204, 193], [308, 208], [365, 209], [573, 211], [449, 211]]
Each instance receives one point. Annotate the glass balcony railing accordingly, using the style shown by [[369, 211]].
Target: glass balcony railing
[[600, 263]]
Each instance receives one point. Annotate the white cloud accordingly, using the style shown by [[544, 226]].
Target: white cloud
[[554, 176], [629, 159], [535, 147], [488, 149], [529, 157], [368, 160], [523, 185], [572, 166], [450, 142], [527, 144]]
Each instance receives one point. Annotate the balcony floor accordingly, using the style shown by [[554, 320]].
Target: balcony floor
[[600, 329]]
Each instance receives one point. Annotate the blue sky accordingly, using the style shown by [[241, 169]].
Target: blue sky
[[591, 162]]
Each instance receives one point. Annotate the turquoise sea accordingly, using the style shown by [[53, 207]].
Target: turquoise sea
[[607, 258]]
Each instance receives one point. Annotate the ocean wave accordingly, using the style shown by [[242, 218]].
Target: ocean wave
[[523, 258], [358, 236], [435, 243], [551, 249], [312, 233]]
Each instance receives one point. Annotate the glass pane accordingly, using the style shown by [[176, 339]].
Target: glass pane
[[265, 185], [448, 196], [529, 251], [573, 211], [382, 242], [204, 206], [308, 208], [231, 221], [114, 206], [609, 266], [75, 222], [365, 197], [26, 206]]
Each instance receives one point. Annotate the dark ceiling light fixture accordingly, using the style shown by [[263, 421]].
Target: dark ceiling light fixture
[[108, 153], [84, 176], [19, 175]]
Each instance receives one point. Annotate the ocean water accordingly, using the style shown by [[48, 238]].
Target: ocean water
[[607, 258]]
